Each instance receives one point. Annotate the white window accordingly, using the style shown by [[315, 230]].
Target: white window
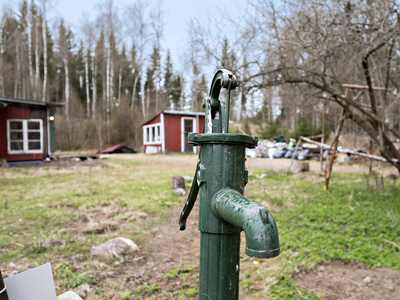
[[152, 134], [25, 136]]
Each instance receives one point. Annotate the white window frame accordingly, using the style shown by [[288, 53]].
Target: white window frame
[[183, 132], [25, 136], [147, 138]]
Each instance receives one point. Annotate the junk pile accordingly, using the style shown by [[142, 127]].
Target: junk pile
[[281, 149]]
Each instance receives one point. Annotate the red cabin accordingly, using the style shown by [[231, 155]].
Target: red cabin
[[26, 129], [168, 131]]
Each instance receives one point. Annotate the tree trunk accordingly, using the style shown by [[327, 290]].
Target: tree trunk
[[112, 102], [239, 100], [119, 85], [181, 97], [104, 93], [157, 100], [94, 83], [108, 94], [66, 88], [18, 69], [36, 88], [148, 101], [30, 47], [87, 84], [44, 57], [335, 144], [143, 104], [134, 91]]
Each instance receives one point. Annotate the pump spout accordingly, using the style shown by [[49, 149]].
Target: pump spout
[[262, 240]]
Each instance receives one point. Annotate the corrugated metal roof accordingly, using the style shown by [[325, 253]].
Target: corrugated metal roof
[[31, 102], [176, 112], [113, 148]]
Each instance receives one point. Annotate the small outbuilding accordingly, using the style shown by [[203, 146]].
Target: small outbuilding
[[26, 129], [168, 131]]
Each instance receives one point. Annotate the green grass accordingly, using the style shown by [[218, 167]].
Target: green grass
[[349, 222], [40, 204]]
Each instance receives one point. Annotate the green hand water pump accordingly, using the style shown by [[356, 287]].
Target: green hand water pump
[[220, 177]]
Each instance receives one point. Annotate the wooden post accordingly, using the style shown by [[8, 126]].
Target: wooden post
[[177, 182], [3, 290], [335, 144]]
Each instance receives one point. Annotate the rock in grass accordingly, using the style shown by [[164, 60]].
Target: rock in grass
[[367, 280], [69, 296], [83, 291], [180, 191], [115, 247]]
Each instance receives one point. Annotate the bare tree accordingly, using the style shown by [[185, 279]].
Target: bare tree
[[157, 24], [29, 29], [44, 33], [36, 88], [138, 29], [3, 23], [88, 31], [64, 36], [320, 46], [109, 19]]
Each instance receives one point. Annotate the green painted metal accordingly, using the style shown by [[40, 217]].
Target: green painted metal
[[220, 178], [261, 233], [223, 138]]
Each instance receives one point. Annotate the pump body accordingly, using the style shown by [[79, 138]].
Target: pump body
[[220, 178]]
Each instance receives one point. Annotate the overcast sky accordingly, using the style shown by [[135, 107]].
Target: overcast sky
[[177, 16]]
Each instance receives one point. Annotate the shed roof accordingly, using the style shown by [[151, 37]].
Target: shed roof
[[4, 101], [175, 112]]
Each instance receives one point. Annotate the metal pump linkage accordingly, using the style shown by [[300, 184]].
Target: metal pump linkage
[[220, 177]]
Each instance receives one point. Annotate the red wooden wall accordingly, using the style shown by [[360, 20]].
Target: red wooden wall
[[173, 130], [157, 119], [20, 112], [172, 127]]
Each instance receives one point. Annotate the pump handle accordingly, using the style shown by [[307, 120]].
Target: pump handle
[[222, 79]]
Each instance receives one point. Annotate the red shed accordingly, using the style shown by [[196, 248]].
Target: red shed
[[168, 131], [26, 129]]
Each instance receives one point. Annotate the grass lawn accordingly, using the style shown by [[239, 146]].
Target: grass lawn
[[349, 222], [57, 213]]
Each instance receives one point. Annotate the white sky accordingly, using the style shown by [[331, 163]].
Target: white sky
[[177, 14]]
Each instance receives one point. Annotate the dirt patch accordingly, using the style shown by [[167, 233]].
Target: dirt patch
[[346, 280]]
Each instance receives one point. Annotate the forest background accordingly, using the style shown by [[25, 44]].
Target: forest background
[[292, 58]]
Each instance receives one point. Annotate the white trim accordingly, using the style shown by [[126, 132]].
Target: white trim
[[147, 139], [25, 136], [183, 132], [162, 127]]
